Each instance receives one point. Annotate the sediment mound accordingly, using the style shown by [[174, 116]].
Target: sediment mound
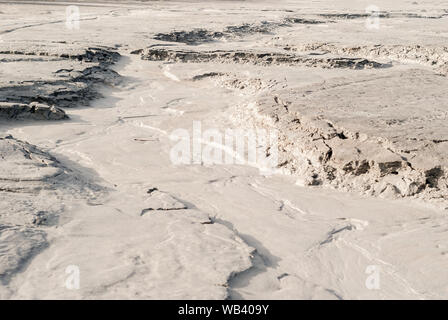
[[61, 77], [33, 188]]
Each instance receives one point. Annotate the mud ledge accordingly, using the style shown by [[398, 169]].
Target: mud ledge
[[324, 146], [256, 58], [69, 77]]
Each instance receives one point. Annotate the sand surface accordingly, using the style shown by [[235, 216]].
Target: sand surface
[[355, 209]]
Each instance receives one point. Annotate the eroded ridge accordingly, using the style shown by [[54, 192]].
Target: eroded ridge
[[62, 77], [256, 58], [198, 36], [375, 144]]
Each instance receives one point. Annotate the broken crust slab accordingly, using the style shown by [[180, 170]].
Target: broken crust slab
[[383, 134], [25, 165], [63, 76], [34, 110], [34, 187], [161, 201]]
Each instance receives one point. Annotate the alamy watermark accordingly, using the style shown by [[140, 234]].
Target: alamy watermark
[[373, 21], [72, 18], [373, 281], [72, 282], [254, 147]]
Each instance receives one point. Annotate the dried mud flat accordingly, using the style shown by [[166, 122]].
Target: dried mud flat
[[86, 179]]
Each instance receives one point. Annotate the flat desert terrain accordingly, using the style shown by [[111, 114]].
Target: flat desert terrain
[[224, 149]]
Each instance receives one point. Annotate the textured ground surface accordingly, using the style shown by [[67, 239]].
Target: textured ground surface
[[359, 110]]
